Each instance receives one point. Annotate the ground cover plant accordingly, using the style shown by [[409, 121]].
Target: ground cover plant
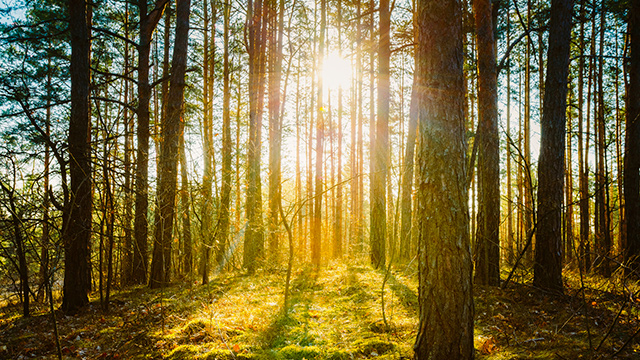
[[335, 313]]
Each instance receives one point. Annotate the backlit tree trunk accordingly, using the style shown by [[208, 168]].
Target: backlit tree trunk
[[445, 298], [380, 147], [488, 241], [548, 264], [168, 171], [77, 234]]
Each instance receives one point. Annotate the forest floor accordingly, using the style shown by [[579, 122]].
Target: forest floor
[[335, 313]]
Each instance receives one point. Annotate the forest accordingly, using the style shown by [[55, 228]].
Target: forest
[[320, 179]]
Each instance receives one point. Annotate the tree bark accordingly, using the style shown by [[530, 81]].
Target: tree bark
[[488, 239], [275, 125], [548, 265], [225, 196], [445, 298], [168, 172], [253, 241], [380, 146], [77, 234], [148, 22], [632, 145]]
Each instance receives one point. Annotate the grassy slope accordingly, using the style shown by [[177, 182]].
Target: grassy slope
[[335, 314]]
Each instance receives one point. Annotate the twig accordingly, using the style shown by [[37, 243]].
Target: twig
[[611, 327], [626, 343]]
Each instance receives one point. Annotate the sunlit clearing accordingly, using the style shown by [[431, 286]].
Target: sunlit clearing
[[336, 72]]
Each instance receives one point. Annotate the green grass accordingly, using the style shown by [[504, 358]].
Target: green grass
[[335, 313]]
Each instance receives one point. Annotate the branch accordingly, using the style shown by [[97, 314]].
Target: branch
[[121, 103], [115, 35]]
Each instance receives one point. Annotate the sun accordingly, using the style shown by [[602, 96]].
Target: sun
[[336, 71]]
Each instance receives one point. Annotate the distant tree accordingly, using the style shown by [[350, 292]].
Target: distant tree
[[276, 31], [548, 259], [256, 33], [380, 148], [148, 23], [168, 171], [225, 196], [488, 238], [445, 330], [316, 231], [77, 234]]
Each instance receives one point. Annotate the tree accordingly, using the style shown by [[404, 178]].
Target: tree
[[488, 239], [256, 32], [380, 148], [168, 171], [316, 231], [225, 197], [148, 22], [445, 297], [407, 177], [208, 61], [548, 261], [77, 234], [632, 145], [276, 31]]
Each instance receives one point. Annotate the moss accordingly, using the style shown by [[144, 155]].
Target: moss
[[195, 326], [373, 345], [297, 352], [183, 352]]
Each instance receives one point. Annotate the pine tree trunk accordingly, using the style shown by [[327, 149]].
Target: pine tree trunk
[[632, 145], [445, 330], [254, 234], [225, 198], [380, 146], [488, 248], [77, 232], [167, 174], [548, 264]]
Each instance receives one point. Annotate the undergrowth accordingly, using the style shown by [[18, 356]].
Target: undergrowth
[[334, 313]]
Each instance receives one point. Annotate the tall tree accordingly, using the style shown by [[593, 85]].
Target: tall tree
[[316, 231], [632, 144], [207, 139], [337, 230], [548, 264], [380, 146], [148, 23], [488, 238], [253, 242], [445, 297], [77, 234], [225, 196], [168, 171], [406, 199], [276, 31]]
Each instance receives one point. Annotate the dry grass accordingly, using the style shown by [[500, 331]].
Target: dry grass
[[335, 313]]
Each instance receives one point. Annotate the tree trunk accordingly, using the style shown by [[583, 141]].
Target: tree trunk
[[632, 145], [407, 177], [316, 231], [548, 265], [77, 234], [380, 145], [207, 140], [187, 242], [254, 234], [225, 197], [488, 240], [445, 330], [276, 18], [167, 174], [148, 24]]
